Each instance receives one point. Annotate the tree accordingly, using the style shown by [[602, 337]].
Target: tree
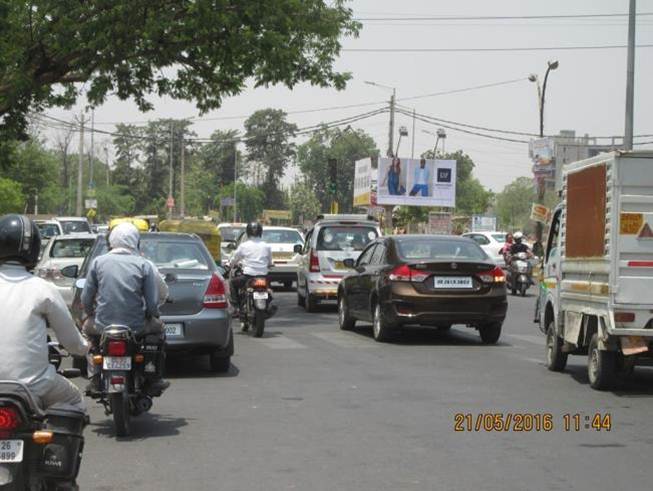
[[513, 204], [248, 198], [303, 202], [62, 145], [200, 50], [269, 149], [11, 196], [346, 147]]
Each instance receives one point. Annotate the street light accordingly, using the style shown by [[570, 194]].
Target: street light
[[439, 135], [403, 131], [392, 113]]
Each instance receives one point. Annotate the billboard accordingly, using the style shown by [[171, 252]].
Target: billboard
[[484, 223], [416, 182], [365, 183], [440, 223], [540, 213]]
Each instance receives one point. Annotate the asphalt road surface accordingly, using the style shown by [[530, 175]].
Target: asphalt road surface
[[310, 407]]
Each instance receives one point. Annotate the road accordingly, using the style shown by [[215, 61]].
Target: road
[[309, 407]]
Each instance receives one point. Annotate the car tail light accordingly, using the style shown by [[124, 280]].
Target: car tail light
[[215, 297], [406, 273], [9, 418], [494, 276], [117, 348], [315, 263], [260, 283], [624, 317]]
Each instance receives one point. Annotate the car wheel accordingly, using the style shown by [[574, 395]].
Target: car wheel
[[601, 366], [381, 330], [522, 289], [345, 320], [220, 359], [490, 333], [556, 360], [311, 302]]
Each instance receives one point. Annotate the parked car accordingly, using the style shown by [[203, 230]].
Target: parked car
[[423, 280], [74, 225], [282, 241], [229, 232], [197, 320], [62, 251], [47, 229], [328, 244], [491, 243]]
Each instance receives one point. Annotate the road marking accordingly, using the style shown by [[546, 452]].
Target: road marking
[[529, 338], [345, 340], [281, 342]]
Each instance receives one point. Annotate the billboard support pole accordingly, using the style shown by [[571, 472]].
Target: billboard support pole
[[630, 78], [388, 208]]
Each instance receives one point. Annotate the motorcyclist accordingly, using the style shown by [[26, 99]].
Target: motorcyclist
[[255, 257], [519, 245], [123, 288], [31, 304]]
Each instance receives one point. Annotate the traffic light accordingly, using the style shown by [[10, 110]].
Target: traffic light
[[333, 176]]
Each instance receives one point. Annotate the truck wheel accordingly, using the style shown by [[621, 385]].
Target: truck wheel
[[601, 366], [490, 333], [345, 320], [381, 330], [556, 360]]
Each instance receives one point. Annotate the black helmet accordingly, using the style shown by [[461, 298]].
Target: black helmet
[[20, 240], [254, 229]]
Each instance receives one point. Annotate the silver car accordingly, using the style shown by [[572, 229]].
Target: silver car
[[197, 319], [328, 244]]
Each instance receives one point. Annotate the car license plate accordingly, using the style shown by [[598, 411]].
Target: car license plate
[[260, 295], [117, 363], [11, 450], [452, 282], [339, 265], [173, 330]]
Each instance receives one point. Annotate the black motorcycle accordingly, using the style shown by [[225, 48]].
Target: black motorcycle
[[255, 304], [129, 364], [39, 449]]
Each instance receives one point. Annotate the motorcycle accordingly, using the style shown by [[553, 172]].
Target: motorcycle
[[39, 449], [255, 304], [128, 364], [520, 274]]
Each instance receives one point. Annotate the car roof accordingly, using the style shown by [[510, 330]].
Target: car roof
[[78, 219], [344, 221], [430, 236], [80, 235], [274, 227]]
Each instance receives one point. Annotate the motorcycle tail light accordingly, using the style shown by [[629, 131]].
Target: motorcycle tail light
[[494, 276], [406, 273], [315, 263], [9, 418], [117, 348], [139, 358], [117, 380], [42, 437], [215, 296], [260, 283]]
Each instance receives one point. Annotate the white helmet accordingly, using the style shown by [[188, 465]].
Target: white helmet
[[517, 236]]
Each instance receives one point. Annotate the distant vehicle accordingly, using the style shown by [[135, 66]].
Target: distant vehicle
[[74, 225], [62, 251], [282, 241], [49, 228], [229, 233], [197, 320], [423, 280], [492, 243], [102, 229], [331, 241], [595, 297]]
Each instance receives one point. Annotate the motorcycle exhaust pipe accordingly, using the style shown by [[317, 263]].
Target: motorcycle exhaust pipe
[[143, 404]]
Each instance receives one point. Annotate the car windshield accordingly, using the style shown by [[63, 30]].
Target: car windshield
[[75, 226], [175, 254], [282, 236], [48, 230], [345, 238], [71, 248], [431, 248], [499, 237], [230, 234]]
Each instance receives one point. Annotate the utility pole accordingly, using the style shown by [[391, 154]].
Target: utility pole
[[630, 77], [80, 167], [170, 198], [392, 123], [106, 154], [235, 181], [91, 153], [182, 200]]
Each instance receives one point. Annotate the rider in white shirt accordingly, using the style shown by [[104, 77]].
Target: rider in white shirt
[[255, 258]]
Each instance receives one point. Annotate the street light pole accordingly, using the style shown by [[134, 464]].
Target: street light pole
[[630, 78]]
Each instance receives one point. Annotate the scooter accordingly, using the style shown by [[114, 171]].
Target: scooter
[[520, 274], [39, 449]]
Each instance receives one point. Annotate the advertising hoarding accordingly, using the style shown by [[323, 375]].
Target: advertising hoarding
[[484, 223], [440, 223], [365, 183], [540, 213], [416, 182]]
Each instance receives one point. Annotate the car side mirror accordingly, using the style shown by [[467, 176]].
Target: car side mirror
[[298, 249], [80, 283], [349, 263], [70, 271], [231, 246]]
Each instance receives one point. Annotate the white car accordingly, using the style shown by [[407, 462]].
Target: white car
[[229, 234], [62, 251], [491, 243], [74, 225]]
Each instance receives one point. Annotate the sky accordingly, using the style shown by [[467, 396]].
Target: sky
[[586, 93]]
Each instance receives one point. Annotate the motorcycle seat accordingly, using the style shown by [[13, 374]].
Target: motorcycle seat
[[18, 392]]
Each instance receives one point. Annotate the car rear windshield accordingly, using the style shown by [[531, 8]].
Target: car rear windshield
[[345, 238], [48, 230], [499, 237], [230, 234], [430, 248], [175, 254], [71, 248], [75, 226], [282, 237]]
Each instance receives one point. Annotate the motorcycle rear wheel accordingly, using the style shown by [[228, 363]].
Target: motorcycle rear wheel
[[120, 408], [259, 324]]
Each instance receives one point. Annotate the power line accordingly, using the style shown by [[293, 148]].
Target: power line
[[500, 17], [490, 50]]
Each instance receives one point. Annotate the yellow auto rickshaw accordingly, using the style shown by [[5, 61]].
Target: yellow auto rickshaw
[[207, 231]]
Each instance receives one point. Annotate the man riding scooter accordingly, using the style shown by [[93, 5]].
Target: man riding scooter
[[518, 265], [31, 304]]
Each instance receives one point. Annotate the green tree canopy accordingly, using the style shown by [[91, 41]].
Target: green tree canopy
[[187, 49], [303, 202], [11, 196], [248, 198], [513, 204]]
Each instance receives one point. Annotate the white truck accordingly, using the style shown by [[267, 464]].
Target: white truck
[[596, 297]]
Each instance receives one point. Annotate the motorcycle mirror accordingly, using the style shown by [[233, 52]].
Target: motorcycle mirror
[[71, 372]]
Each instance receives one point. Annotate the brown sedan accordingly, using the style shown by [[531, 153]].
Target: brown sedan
[[424, 280]]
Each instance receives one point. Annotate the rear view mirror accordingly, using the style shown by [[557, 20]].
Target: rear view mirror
[[349, 263], [297, 249], [70, 271]]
